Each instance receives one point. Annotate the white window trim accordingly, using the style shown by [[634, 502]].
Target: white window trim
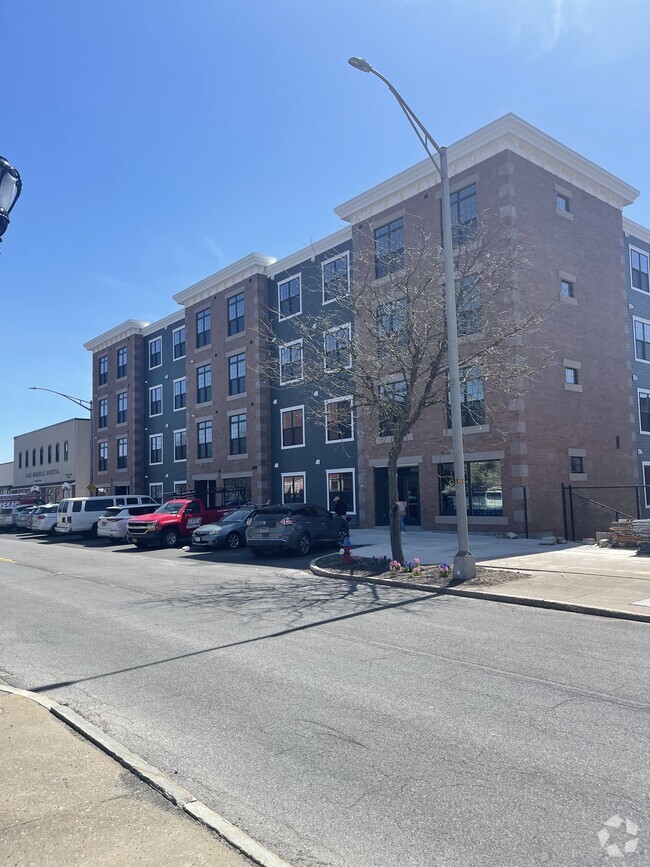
[[156, 485], [153, 340], [99, 413], [286, 346], [304, 483], [642, 252], [156, 414], [180, 430], [179, 482], [162, 447], [339, 400], [340, 327], [645, 322], [345, 255], [646, 493], [288, 280], [639, 391], [290, 409], [178, 357], [179, 408], [352, 470]]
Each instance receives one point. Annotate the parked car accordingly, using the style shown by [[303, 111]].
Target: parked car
[[22, 516], [173, 521], [43, 519], [112, 524], [229, 532], [294, 527], [7, 519], [81, 514]]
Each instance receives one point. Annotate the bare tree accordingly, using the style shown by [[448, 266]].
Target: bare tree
[[384, 343]]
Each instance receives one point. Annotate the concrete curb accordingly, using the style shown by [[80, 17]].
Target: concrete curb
[[157, 780], [441, 590]]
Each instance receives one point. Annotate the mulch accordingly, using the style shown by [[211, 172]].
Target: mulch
[[371, 567]]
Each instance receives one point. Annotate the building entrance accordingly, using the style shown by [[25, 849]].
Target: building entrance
[[408, 489]]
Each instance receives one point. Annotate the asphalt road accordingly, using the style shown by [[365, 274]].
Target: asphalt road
[[337, 723]]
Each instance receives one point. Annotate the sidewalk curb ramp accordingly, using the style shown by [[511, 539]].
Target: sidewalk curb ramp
[[440, 590], [157, 780]]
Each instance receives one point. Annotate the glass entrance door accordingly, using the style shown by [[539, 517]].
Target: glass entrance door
[[408, 489]]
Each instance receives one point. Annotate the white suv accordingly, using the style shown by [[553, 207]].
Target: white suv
[[112, 524]]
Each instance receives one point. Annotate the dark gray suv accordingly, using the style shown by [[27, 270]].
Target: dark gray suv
[[294, 527]]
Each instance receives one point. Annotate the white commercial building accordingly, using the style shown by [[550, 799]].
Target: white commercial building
[[55, 460], [6, 477]]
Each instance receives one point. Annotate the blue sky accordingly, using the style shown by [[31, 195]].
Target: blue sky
[[160, 140]]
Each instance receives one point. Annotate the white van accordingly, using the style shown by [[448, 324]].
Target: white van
[[81, 514]]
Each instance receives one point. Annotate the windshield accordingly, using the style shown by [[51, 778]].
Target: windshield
[[171, 508], [234, 517]]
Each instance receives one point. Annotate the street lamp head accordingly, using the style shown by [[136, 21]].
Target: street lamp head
[[10, 187], [360, 63]]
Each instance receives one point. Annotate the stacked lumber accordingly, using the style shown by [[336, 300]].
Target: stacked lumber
[[642, 529], [624, 534]]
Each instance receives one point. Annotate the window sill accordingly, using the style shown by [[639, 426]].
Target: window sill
[[568, 299], [471, 429], [235, 396], [122, 424], [570, 386], [387, 440], [203, 348], [239, 334], [238, 457], [566, 214], [577, 477], [203, 460], [204, 405]]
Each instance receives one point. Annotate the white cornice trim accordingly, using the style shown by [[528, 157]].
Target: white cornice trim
[[506, 133], [254, 263], [120, 332], [636, 230], [307, 253], [177, 317]]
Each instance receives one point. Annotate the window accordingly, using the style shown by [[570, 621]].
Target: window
[[644, 411], [468, 306], [180, 393], [122, 452], [204, 439], [103, 370], [203, 335], [291, 362], [391, 318], [239, 489], [102, 462], [290, 297], [204, 383], [566, 289], [20, 460], [180, 445], [641, 340], [391, 396], [292, 426], [26, 458], [33, 457], [639, 268], [562, 202], [155, 400], [49, 454], [340, 483], [483, 489], [472, 402], [180, 487], [155, 352], [577, 464], [336, 278], [571, 375], [293, 488], [389, 248], [463, 215], [122, 359], [238, 434], [337, 347], [156, 449], [66, 450], [237, 373], [646, 483], [102, 421], [179, 342], [338, 414], [40, 455], [236, 314], [56, 453], [156, 491], [122, 406]]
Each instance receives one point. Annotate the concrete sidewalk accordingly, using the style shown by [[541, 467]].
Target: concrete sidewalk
[[65, 802], [576, 577]]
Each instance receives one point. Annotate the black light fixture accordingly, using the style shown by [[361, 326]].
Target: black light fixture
[[10, 187]]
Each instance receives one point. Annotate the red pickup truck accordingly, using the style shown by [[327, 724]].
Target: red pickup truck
[[171, 522]]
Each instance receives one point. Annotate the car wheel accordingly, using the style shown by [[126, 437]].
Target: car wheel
[[169, 538], [258, 552], [304, 544], [93, 532], [233, 541]]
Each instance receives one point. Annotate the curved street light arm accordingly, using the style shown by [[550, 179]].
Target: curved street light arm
[[80, 401]]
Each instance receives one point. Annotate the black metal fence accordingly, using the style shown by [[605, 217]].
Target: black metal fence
[[592, 509]]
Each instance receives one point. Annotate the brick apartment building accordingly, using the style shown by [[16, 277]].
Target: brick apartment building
[[582, 422]]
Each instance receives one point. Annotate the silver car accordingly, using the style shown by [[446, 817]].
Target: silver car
[[229, 532], [22, 516], [294, 527], [43, 519]]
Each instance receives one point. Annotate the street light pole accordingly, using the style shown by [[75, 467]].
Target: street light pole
[[464, 563], [84, 404]]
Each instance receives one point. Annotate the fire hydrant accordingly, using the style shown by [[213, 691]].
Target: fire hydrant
[[347, 548]]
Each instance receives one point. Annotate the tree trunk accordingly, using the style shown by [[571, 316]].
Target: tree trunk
[[393, 511]]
